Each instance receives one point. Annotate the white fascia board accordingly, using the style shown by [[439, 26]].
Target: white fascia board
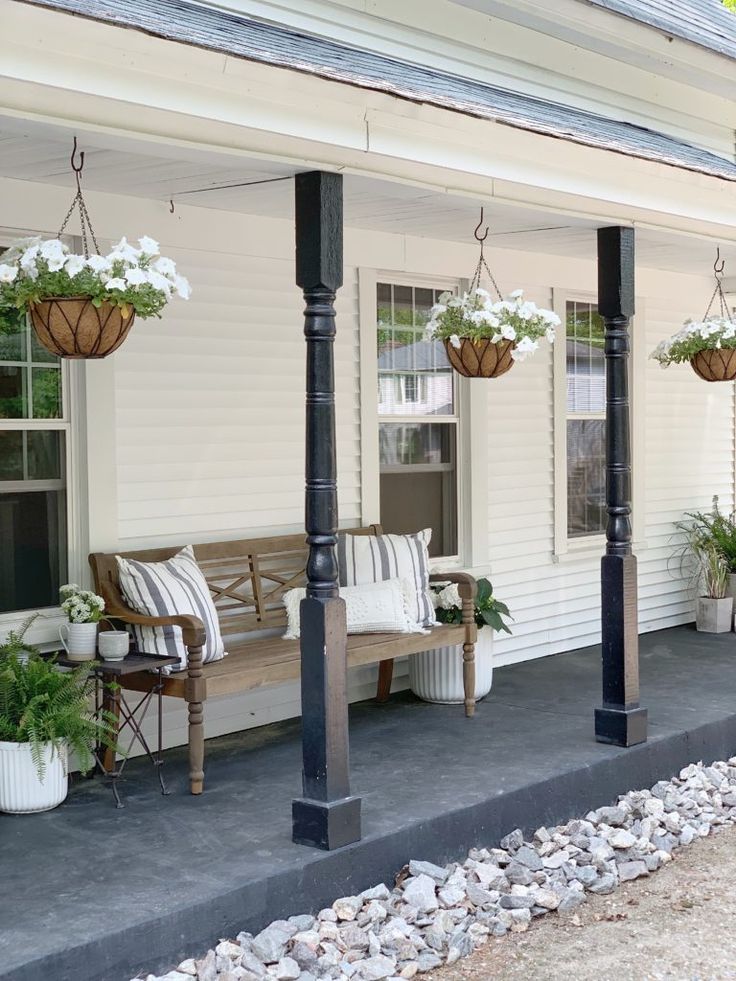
[[90, 75], [620, 38]]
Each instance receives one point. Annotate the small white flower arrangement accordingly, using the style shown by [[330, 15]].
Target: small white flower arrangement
[[477, 316], [711, 334], [129, 276], [81, 605]]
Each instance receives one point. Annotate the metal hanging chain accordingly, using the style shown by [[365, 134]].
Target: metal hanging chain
[[482, 264], [79, 203], [718, 266]]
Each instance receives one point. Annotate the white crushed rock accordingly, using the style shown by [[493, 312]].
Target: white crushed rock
[[437, 915]]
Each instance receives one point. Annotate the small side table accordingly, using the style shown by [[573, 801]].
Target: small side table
[[111, 697]]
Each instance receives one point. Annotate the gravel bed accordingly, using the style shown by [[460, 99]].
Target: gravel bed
[[436, 915]]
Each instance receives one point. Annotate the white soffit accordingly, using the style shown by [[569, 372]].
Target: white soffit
[[40, 152]]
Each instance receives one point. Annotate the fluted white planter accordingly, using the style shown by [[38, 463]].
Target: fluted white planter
[[437, 675], [21, 791]]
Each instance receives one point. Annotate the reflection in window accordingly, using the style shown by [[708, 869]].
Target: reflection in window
[[586, 411], [417, 420], [33, 506]]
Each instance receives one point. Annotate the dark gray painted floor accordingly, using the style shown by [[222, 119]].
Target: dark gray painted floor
[[95, 894]]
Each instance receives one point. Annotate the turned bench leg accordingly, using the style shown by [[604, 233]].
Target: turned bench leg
[[385, 676], [195, 696], [469, 677]]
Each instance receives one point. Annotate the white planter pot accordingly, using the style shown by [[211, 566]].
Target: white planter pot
[[79, 640], [731, 591], [437, 676], [714, 616], [21, 791]]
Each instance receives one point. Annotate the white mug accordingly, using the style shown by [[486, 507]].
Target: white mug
[[79, 640], [113, 644]]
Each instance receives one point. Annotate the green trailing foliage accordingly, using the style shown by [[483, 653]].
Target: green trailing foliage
[[15, 643], [712, 529], [39, 704]]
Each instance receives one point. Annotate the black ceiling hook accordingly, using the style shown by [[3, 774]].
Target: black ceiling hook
[[80, 167], [720, 264], [484, 236]]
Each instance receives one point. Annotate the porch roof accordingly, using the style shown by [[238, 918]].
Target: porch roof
[[706, 23], [233, 34]]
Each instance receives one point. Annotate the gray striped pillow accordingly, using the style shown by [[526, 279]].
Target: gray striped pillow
[[375, 558], [165, 589]]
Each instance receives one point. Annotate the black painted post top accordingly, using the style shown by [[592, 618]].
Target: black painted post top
[[616, 271], [318, 209]]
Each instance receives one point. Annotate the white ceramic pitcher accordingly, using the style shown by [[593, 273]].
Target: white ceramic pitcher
[[79, 640]]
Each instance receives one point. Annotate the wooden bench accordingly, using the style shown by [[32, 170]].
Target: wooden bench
[[247, 580]]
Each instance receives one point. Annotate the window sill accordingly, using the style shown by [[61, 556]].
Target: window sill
[[594, 549], [43, 632]]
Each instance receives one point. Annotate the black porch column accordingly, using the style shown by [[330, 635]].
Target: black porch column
[[326, 816], [620, 720]]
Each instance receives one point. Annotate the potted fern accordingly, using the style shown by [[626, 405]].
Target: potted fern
[[45, 714]]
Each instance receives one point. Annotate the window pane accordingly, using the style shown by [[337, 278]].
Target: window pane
[[13, 392], [418, 481], [586, 382], [586, 484], [45, 455], [13, 333], [11, 455], [33, 556], [46, 393]]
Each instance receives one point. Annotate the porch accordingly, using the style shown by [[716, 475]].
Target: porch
[[99, 893]]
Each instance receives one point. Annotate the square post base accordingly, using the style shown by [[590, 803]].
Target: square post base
[[621, 727], [326, 825]]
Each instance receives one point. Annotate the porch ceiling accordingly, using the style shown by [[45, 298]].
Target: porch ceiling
[[39, 152]]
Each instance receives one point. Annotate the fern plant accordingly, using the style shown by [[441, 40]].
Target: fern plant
[[40, 704], [14, 643]]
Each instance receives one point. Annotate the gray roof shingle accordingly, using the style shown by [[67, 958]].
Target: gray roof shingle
[[704, 22], [239, 36]]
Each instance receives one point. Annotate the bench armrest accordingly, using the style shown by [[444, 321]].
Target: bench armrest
[[192, 627], [466, 584]]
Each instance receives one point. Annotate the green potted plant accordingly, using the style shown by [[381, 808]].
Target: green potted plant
[[715, 606], [15, 643], [713, 529], [84, 610], [437, 675], [45, 714]]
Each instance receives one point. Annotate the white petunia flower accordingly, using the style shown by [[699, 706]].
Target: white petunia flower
[[159, 282], [116, 284], [516, 295], [99, 263], [53, 248], [123, 250], [524, 348], [8, 274], [167, 267], [455, 341], [74, 265], [508, 332], [56, 263], [183, 288], [148, 245], [136, 276]]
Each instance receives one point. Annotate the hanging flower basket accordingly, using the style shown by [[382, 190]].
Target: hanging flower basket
[[715, 365], [708, 344], [480, 359], [73, 327], [83, 306], [483, 337]]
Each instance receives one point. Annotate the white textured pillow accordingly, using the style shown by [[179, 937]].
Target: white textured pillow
[[167, 589], [374, 608], [375, 558]]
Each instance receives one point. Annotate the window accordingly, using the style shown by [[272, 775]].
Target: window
[[34, 440], [418, 420], [586, 414]]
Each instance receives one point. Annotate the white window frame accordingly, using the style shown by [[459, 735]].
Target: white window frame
[[572, 549], [72, 424], [471, 407]]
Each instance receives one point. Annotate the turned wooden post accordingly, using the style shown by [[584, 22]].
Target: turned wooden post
[[326, 816], [620, 720]]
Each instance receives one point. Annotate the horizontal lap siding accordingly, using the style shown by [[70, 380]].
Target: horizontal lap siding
[[210, 407], [687, 427]]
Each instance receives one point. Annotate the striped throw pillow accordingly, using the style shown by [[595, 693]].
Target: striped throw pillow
[[375, 558], [166, 589]]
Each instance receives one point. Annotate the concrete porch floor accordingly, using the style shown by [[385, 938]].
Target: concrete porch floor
[[91, 893]]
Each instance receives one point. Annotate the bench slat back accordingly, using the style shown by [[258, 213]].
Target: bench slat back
[[247, 578]]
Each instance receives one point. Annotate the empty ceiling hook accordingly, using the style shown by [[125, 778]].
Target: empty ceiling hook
[[77, 168], [720, 264], [484, 236]]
